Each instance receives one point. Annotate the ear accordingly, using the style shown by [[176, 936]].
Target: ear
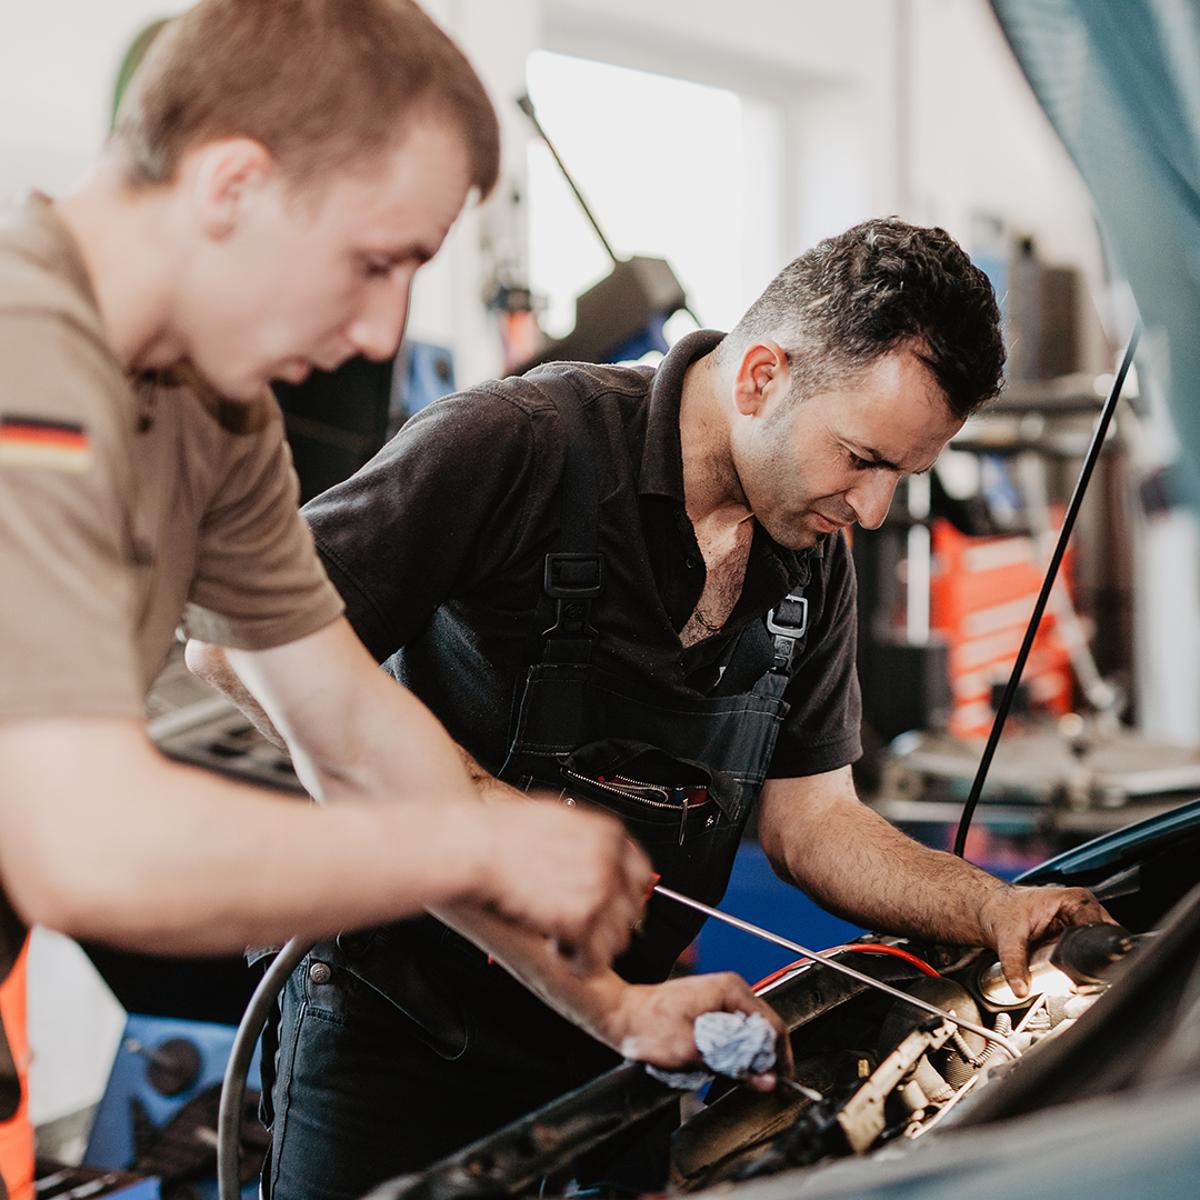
[[763, 373], [223, 178]]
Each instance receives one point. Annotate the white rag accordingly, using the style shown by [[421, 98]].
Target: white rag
[[733, 1044]]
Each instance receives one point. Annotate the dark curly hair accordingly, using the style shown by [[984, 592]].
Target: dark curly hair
[[879, 286]]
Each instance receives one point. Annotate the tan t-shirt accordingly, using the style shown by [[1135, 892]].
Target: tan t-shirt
[[126, 505]]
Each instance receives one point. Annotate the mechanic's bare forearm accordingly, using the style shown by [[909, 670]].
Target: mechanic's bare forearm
[[860, 867], [528, 957], [352, 731], [150, 854], [484, 783], [589, 1000], [653, 1023], [211, 664]]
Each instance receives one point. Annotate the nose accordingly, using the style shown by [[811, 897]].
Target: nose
[[378, 326], [872, 497]]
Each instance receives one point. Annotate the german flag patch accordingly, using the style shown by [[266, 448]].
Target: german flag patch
[[39, 443]]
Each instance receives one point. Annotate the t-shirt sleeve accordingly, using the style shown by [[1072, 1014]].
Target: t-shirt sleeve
[[440, 508], [69, 583], [258, 581], [823, 729]]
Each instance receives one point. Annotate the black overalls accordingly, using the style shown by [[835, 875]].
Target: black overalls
[[466, 1046], [683, 776]]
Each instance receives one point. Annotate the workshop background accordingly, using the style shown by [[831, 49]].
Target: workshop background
[[726, 139]]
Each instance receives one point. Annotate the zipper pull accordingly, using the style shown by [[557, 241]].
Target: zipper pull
[[682, 794]]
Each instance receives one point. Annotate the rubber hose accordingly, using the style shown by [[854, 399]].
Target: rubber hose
[[233, 1088]]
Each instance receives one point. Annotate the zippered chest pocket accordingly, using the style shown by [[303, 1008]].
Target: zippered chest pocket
[[681, 807], [657, 797]]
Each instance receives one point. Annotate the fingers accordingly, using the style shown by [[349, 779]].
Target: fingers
[[611, 904], [569, 875], [783, 1044], [737, 996], [1012, 950], [1085, 909], [659, 1022], [1031, 915], [595, 947], [640, 874]]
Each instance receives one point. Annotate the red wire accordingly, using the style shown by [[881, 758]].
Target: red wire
[[858, 948]]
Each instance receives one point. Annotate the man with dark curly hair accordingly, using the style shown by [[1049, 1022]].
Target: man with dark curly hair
[[633, 585]]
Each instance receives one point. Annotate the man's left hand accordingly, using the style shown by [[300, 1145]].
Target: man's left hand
[[1015, 918]]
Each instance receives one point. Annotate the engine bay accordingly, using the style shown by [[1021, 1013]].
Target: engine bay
[[883, 1074], [873, 1069], [875, 1076]]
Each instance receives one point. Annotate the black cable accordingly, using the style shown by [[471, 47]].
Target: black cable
[[233, 1088], [1064, 536], [526, 106]]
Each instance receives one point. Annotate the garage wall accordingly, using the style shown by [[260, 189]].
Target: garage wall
[[58, 64], [829, 68], [978, 144], [908, 106]]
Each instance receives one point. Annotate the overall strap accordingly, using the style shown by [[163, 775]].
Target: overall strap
[[787, 626], [574, 576]]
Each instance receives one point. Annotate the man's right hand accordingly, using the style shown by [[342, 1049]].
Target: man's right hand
[[564, 872], [655, 1023]]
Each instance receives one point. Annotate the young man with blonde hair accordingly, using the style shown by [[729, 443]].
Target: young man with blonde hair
[[279, 171]]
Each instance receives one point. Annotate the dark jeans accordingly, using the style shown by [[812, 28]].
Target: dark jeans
[[365, 1091]]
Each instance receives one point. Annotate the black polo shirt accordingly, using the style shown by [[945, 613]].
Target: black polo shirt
[[438, 547]]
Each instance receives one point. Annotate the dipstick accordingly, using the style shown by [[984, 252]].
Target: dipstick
[[832, 963]]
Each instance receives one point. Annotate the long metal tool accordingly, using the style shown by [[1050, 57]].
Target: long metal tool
[[817, 956]]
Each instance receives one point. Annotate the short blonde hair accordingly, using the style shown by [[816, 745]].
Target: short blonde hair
[[322, 84]]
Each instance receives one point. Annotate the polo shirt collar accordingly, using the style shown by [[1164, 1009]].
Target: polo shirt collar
[[58, 246], [661, 471]]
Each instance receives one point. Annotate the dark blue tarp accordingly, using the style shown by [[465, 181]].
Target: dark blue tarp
[[1120, 81]]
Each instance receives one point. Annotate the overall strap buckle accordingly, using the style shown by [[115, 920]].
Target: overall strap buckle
[[788, 625], [572, 581], [573, 576]]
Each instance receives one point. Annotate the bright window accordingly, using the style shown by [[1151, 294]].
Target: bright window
[[672, 169]]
